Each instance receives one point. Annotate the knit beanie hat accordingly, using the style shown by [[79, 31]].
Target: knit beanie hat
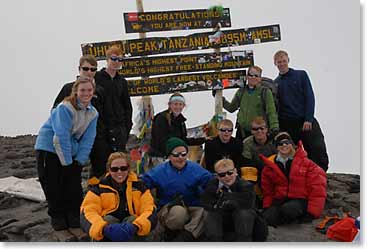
[[174, 142], [281, 136]]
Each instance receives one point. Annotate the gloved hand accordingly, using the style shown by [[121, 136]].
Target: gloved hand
[[273, 132], [119, 231], [77, 163], [229, 205], [177, 201], [214, 92]]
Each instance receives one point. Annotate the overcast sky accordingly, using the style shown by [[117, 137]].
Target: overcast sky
[[40, 47]]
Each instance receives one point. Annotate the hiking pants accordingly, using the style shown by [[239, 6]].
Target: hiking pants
[[61, 185], [217, 223], [98, 157], [286, 212], [313, 140]]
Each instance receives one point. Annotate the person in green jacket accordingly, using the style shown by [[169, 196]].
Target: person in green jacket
[[250, 104]]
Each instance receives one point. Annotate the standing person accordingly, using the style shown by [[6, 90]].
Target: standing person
[[88, 68], [296, 109], [120, 207], [179, 183], [63, 145], [116, 112], [293, 186], [223, 146], [167, 124], [230, 203], [249, 101]]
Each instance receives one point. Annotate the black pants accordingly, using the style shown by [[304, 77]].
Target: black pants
[[313, 140], [286, 212], [61, 185], [98, 157], [114, 140], [217, 224]]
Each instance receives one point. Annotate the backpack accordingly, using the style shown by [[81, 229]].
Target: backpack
[[343, 230], [266, 83], [269, 83]]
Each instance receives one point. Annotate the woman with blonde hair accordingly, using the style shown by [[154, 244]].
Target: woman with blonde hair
[[294, 187], [63, 146], [120, 206], [167, 124]]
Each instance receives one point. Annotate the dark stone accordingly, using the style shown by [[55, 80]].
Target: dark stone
[[8, 202], [3, 237]]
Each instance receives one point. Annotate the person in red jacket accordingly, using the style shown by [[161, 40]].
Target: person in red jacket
[[294, 187]]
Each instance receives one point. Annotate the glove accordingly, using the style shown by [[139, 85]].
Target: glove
[[119, 231], [229, 205], [177, 201], [77, 163], [214, 92], [273, 132]]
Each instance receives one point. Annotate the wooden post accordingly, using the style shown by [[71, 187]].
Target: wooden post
[[147, 100]]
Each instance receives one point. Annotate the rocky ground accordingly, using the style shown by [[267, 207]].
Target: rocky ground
[[23, 220]]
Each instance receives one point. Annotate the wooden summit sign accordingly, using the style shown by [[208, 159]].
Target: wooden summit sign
[[161, 45], [175, 20], [187, 83], [157, 65]]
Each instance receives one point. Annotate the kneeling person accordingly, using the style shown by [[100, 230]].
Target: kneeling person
[[229, 202], [119, 207]]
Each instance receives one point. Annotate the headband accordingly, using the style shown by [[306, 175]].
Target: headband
[[177, 98]]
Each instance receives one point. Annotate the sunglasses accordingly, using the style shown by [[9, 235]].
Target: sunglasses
[[177, 154], [225, 130], [283, 142], [115, 58], [223, 174], [92, 69], [258, 128], [122, 168], [253, 75]]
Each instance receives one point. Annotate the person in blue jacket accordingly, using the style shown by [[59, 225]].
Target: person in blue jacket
[[296, 110], [62, 147], [179, 183]]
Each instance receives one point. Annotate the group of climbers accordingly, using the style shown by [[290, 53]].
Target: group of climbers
[[276, 163]]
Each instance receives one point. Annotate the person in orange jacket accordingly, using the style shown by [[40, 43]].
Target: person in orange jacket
[[120, 206], [293, 186]]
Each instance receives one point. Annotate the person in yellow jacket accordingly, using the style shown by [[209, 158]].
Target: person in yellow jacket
[[120, 206]]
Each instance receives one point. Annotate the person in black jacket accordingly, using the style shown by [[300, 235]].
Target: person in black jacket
[[167, 124], [116, 112], [88, 68], [230, 205], [223, 146]]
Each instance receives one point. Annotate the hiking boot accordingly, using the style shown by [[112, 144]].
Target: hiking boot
[[63, 236], [184, 236], [79, 234], [73, 220], [58, 223], [169, 235]]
